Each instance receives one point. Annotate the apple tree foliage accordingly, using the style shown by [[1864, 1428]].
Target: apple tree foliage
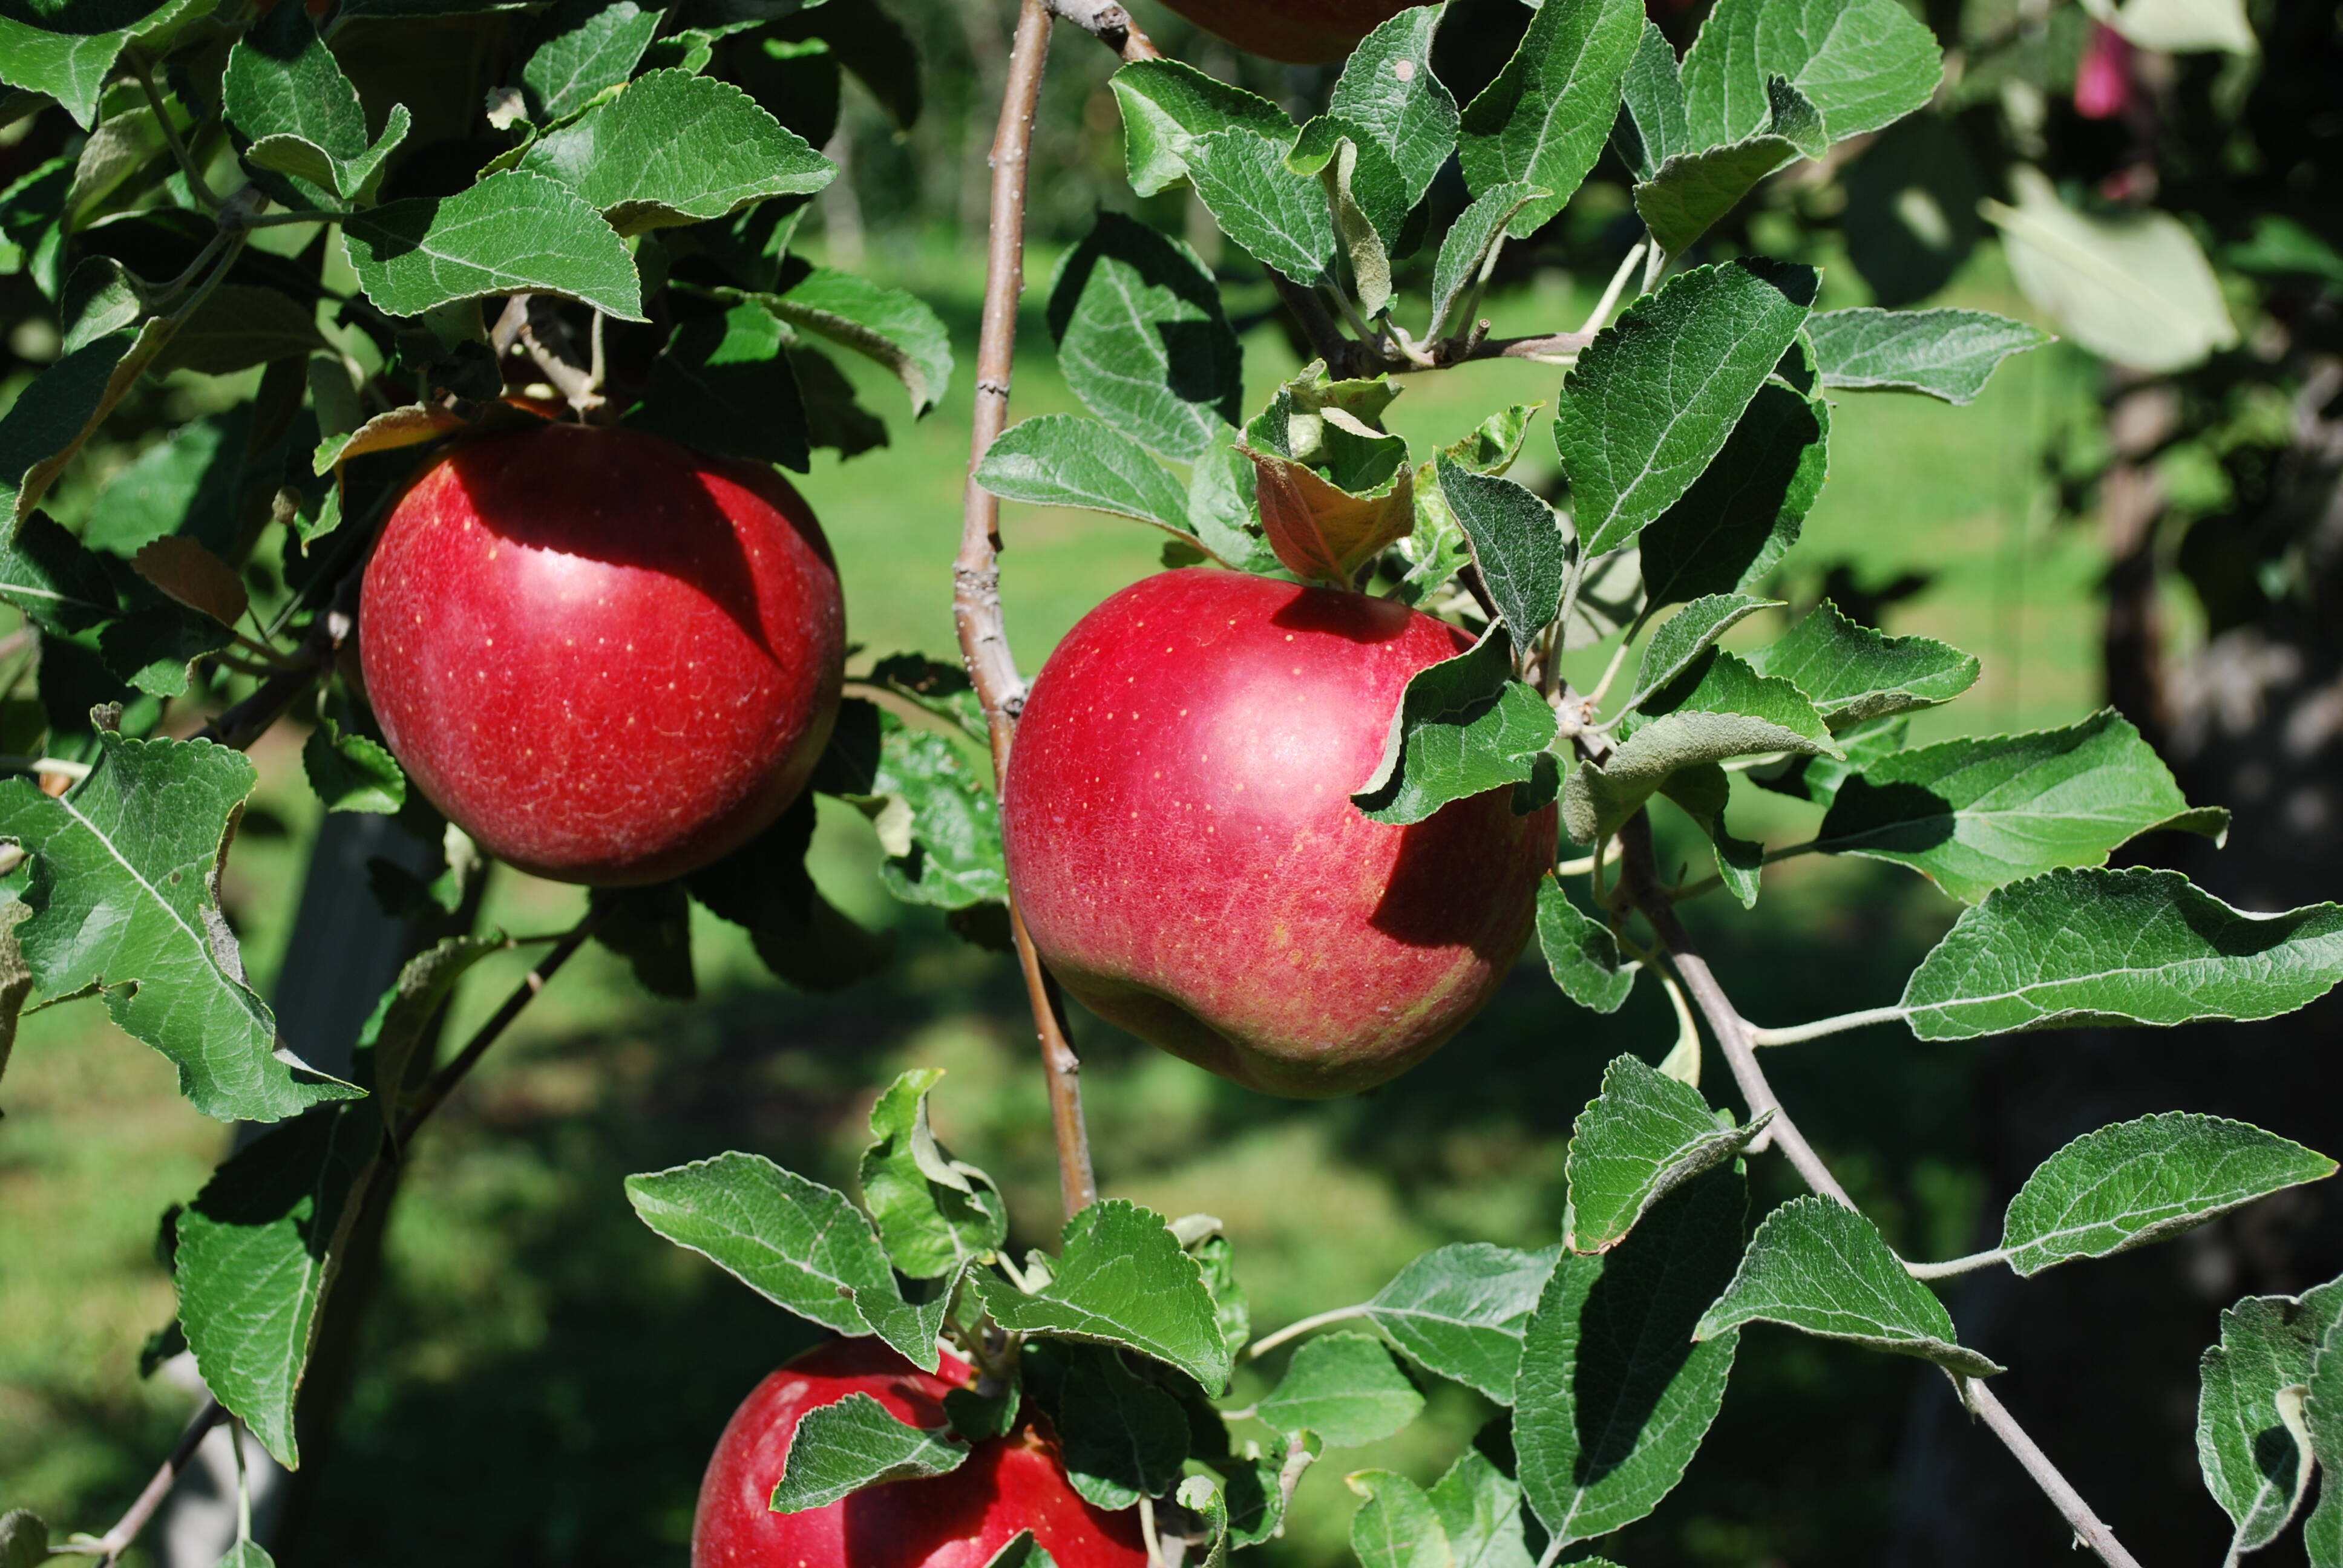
[[604, 216]]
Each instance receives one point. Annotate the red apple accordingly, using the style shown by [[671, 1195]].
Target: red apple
[[1301, 32], [954, 1521], [1182, 844], [608, 659]]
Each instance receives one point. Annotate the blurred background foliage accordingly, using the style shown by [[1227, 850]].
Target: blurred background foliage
[[541, 1378]]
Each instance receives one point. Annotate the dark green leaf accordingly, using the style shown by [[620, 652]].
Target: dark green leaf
[[1466, 249], [1740, 516], [1544, 120], [1580, 952], [511, 232], [1123, 1280], [938, 820], [1123, 1438], [841, 1448], [1686, 635], [888, 325], [1638, 1140], [1517, 543], [1856, 675], [1142, 340], [352, 773], [1464, 726], [285, 91], [723, 384], [23, 1539], [764, 886]]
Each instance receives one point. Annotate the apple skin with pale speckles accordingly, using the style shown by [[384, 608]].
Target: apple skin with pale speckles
[[958, 1519], [1184, 851], [608, 659], [1298, 31]]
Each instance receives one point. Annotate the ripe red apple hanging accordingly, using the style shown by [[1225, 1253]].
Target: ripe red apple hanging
[[959, 1520], [1182, 844], [608, 659]]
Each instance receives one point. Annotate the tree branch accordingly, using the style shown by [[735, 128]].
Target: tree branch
[[443, 1082], [1639, 883], [1110, 24], [976, 572], [116, 1541]]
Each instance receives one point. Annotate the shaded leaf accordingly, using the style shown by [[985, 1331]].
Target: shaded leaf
[[723, 384], [889, 326], [1740, 517], [1543, 121], [1123, 1438], [1142, 339], [1639, 1140], [1470, 243]]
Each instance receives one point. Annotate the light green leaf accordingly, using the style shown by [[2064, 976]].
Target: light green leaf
[[2134, 289], [886, 325], [1469, 241], [1653, 97], [1517, 543], [1280, 217], [1580, 952], [247, 1555], [1946, 353], [511, 232], [1615, 1396], [1823, 1270], [1167, 105], [1459, 1311], [839, 1449], [2073, 948], [1388, 89], [1854, 674], [125, 889], [1688, 634], [1142, 339], [1217, 1259], [1123, 1280], [1688, 193], [2252, 1462], [1544, 120], [2322, 1533], [1740, 516], [2180, 26], [1864, 64], [69, 68], [674, 148], [935, 1214], [1653, 399], [1344, 1388], [797, 1243], [1464, 726], [584, 48], [938, 820], [1396, 1525], [1480, 1509], [1975, 814], [1635, 1142], [1202, 1497], [1123, 1438], [1065, 460], [2139, 1181]]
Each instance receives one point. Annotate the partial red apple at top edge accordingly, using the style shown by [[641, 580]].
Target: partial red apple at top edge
[[959, 1520], [1183, 848], [608, 659], [1298, 31]]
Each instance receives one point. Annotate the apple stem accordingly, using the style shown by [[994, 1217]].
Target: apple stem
[[976, 571], [1640, 882]]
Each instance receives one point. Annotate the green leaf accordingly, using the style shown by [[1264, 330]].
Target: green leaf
[[255, 1253], [1977, 813], [1946, 353], [1615, 1396], [1655, 129], [1580, 952], [2139, 1181], [512, 232], [1123, 1438], [2075, 948], [1823, 1270], [1344, 1388], [885, 326], [723, 384], [1653, 399], [584, 48], [63, 408], [1166, 105], [23, 1539], [247, 1555], [1123, 1280], [1464, 726], [1635, 1142], [402, 1018], [2252, 1460], [1480, 1509], [839, 1449], [1864, 64], [1065, 461], [1201, 1497], [797, 1243], [1396, 1525], [352, 773], [1688, 634], [1142, 339], [58, 583], [70, 68], [1544, 120], [1465, 250], [938, 820], [285, 91], [237, 327], [125, 890], [1684, 198], [1459, 1311], [1368, 199], [1388, 89], [1216, 1258], [673, 148], [935, 1214], [1818, 779], [1856, 675], [1740, 516], [763, 886], [1278, 218], [1517, 543], [2322, 1533]]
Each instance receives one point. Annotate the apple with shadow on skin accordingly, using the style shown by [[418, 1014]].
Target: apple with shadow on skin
[[1298, 31], [608, 659], [1184, 851], [958, 1519]]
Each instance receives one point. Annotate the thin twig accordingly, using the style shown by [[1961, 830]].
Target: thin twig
[[443, 1082], [186, 160], [1110, 24], [116, 1541], [2090, 1529], [976, 571]]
